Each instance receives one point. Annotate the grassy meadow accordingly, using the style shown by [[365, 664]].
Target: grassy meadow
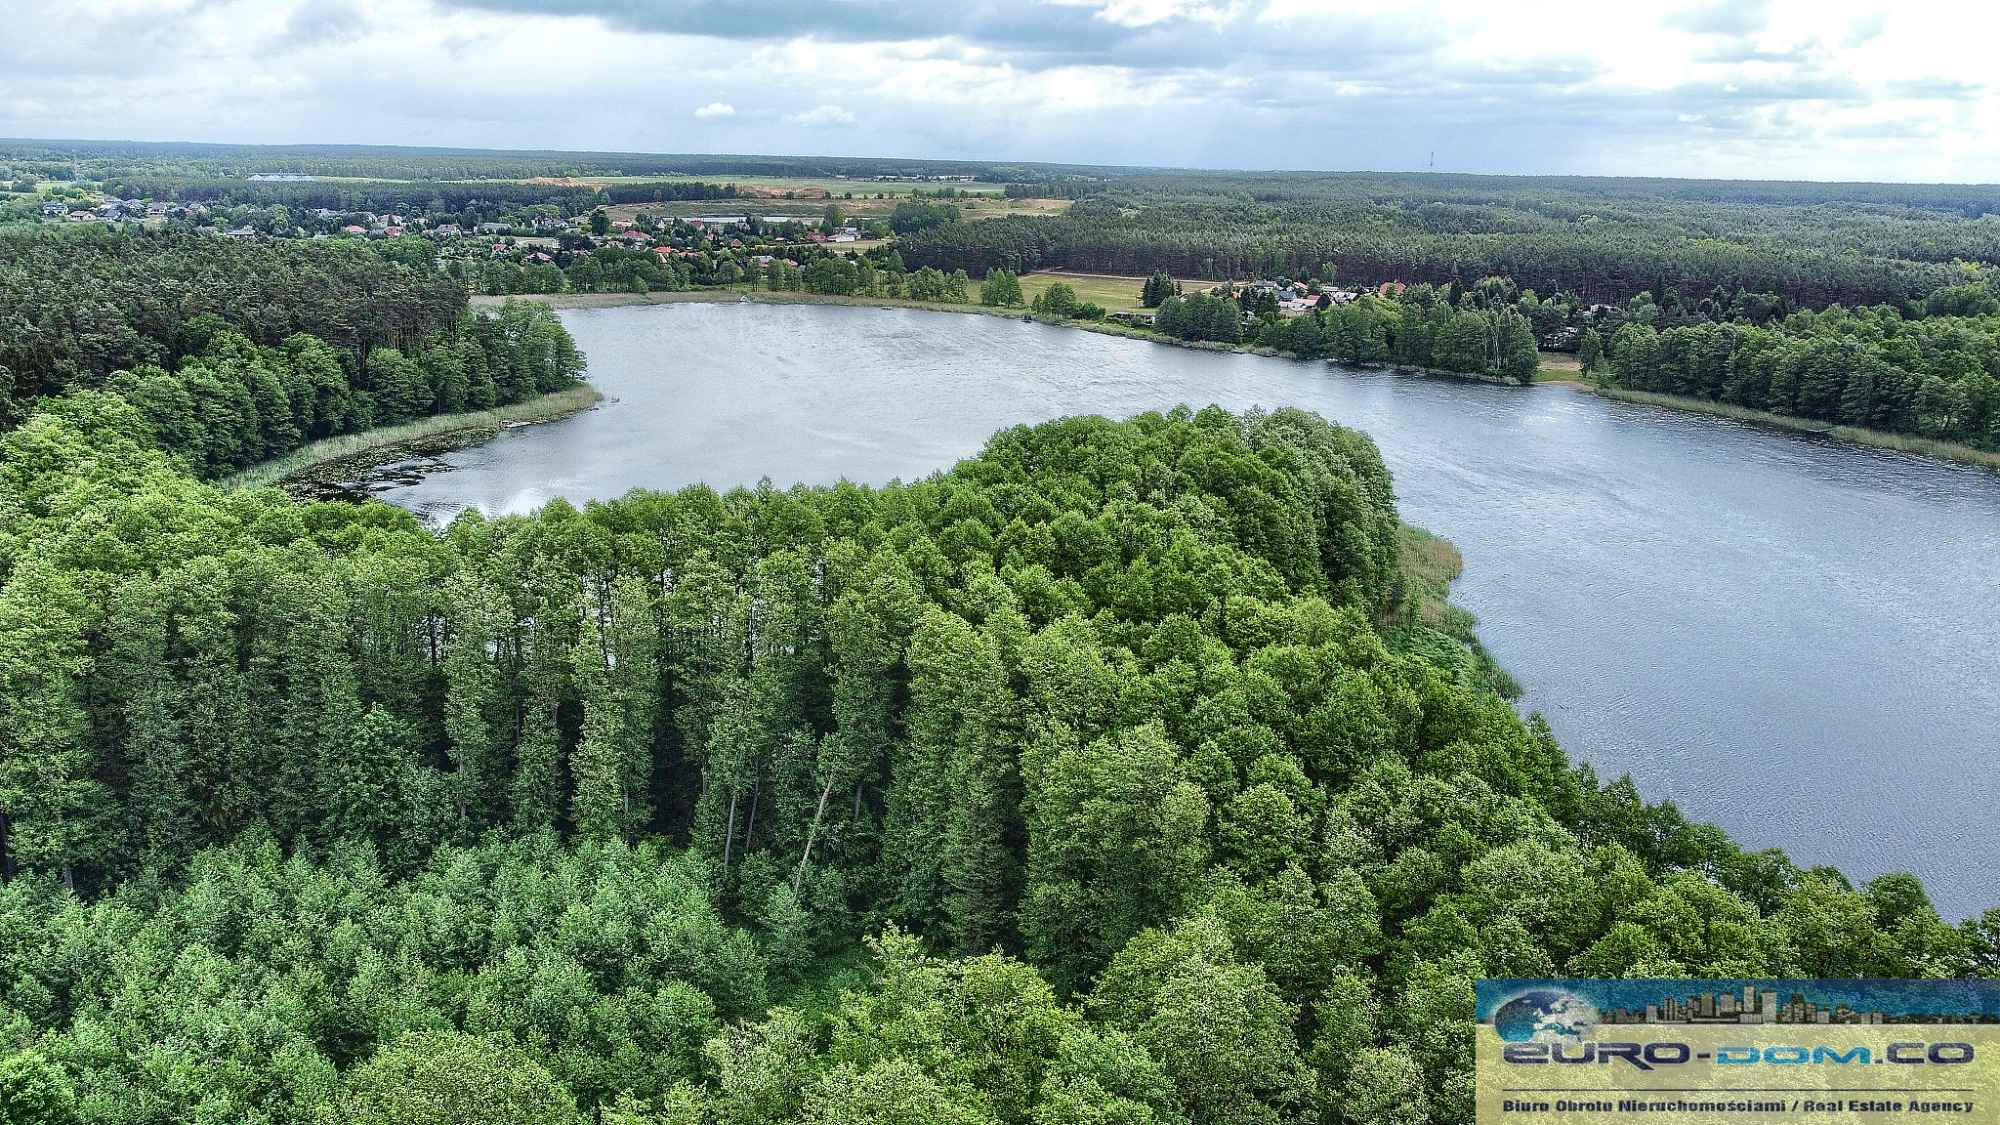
[[1115, 293]]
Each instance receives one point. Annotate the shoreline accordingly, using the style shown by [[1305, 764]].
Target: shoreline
[[1875, 439], [347, 454], [1853, 435], [1017, 312]]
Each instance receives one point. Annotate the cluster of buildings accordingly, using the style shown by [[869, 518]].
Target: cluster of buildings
[[697, 241], [913, 178], [115, 210], [1297, 298], [848, 233], [1293, 298]]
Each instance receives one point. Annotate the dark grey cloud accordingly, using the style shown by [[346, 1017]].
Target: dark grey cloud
[[46, 38], [1033, 36], [1014, 25]]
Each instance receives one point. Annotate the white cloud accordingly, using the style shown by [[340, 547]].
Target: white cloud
[[1831, 89], [821, 116], [1148, 13]]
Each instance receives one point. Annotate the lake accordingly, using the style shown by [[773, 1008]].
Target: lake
[[1796, 639]]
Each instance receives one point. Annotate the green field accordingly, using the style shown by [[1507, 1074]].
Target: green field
[[766, 196], [1559, 367], [1116, 294], [830, 184]]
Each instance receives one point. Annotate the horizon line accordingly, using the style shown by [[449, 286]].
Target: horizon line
[[988, 162]]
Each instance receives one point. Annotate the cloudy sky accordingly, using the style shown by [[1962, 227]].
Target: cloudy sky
[[1815, 89]]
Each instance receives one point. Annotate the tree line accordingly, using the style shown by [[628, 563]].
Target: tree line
[[76, 306], [1125, 743], [1937, 376], [434, 199], [1930, 368], [195, 160], [232, 404], [1487, 330], [279, 205]]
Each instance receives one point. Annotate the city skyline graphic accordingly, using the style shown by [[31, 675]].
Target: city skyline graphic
[[1833, 1002]]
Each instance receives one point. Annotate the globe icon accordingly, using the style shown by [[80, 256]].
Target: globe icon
[[1544, 1015]]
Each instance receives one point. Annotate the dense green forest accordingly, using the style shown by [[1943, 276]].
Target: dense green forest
[[461, 201], [1127, 772], [237, 352], [76, 306], [1605, 240], [1872, 367], [1931, 368], [1133, 750]]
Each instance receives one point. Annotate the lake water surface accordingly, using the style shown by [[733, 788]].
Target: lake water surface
[[1795, 639]]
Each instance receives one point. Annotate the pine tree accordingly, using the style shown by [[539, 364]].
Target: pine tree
[[616, 669], [399, 387], [35, 1091], [981, 870], [868, 626], [48, 785], [474, 701], [304, 701], [372, 779], [536, 788], [921, 793], [1116, 843]]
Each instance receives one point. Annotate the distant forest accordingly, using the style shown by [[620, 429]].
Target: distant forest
[[1604, 240], [97, 159], [1599, 239]]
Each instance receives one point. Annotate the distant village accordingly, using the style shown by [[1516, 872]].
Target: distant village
[[519, 241], [367, 224], [1286, 297], [533, 249]]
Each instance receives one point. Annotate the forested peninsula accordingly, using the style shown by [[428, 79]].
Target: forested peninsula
[[1129, 771], [234, 352]]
